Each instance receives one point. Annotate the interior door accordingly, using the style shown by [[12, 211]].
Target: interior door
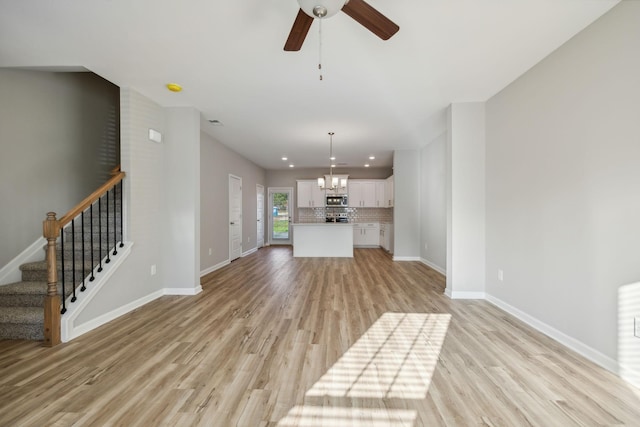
[[281, 205], [235, 217], [260, 215]]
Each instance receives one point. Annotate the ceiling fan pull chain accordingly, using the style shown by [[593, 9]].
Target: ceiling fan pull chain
[[320, 47]]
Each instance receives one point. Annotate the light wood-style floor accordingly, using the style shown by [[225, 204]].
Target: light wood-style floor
[[278, 341]]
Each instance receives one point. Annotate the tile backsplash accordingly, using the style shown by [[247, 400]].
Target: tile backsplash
[[306, 215]]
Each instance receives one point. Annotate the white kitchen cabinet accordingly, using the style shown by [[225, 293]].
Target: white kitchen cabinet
[[310, 195], [381, 201], [386, 236], [362, 194], [389, 190], [366, 235]]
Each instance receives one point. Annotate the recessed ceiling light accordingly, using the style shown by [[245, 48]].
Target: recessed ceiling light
[[284, 159], [215, 122], [367, 165], [372, 157], [174, 87], [290, 166], [332, 158], [333, 166]]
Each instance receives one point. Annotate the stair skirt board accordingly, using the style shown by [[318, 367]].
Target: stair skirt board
[[11, 273], [68, 330]]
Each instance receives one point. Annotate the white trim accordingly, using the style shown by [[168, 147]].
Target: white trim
[[630, 375], [249, 252], [68, 330], [230, 195], [214, 268], [406, 258], [564, 339], [466, 295], [112, 315], [434, 266], [182, 291], [11, 273]]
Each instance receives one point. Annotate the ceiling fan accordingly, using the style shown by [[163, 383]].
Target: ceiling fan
[[359, 10]]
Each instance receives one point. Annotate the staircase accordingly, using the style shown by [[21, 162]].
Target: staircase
[[22, 303]]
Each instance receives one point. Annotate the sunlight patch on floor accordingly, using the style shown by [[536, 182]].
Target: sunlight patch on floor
[[322, 416], [394, 359]]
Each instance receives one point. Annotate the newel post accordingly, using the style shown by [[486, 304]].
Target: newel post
[[51, 231]]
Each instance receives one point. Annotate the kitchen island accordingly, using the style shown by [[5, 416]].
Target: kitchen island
[[323, 240]]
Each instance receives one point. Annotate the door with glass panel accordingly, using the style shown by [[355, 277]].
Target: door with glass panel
[[280, 215]]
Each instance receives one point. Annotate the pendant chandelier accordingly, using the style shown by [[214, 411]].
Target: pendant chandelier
[[332, 183]]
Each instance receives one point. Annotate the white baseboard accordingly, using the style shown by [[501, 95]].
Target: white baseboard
[[11, 273], [630, 375], [112, 315], [466, 295], [182, 291], [406, 258], [214, 268], [564, 339], [249, 252], [68, 330], [434, 266]]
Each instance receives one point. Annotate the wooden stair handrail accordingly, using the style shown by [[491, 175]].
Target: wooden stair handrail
[[51, 228], [115, 179]]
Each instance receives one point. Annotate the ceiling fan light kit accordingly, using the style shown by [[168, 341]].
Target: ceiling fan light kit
[[359, 10], [321, 8]]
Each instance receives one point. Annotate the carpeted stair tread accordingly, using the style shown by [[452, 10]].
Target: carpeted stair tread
[[26, 288], [22, 323], [22, 315], [68, 266]]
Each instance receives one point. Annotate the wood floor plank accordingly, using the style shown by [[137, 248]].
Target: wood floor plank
[[280, 341]]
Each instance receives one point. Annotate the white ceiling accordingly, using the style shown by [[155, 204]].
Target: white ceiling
[[377, 96]]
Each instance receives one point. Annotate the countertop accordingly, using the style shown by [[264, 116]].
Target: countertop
[[327, 224]]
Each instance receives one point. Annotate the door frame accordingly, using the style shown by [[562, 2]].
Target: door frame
[[292, 206], [260, 190], [231, 176]]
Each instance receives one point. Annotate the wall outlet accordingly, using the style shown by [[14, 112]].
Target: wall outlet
[[500, 275], [153, 270], [636, 327], [209, 251]]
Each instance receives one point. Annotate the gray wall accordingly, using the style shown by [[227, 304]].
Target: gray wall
[[406, 205], [59, 134], [433, 207], [216, 163], [563, 185], [288, 177], [161, 206]]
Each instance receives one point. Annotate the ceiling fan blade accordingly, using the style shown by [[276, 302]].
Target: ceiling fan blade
[[370, 18], [298, 32]]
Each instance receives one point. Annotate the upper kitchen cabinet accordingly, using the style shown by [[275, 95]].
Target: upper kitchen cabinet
[[309, 194], [389, 192], [362, 194], [381, 200]]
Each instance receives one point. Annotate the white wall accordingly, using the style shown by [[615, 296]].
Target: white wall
[[217, 161], [59, 139], [406, 206], [466, 200], [563, 188], [433, 204], [181, 260]]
